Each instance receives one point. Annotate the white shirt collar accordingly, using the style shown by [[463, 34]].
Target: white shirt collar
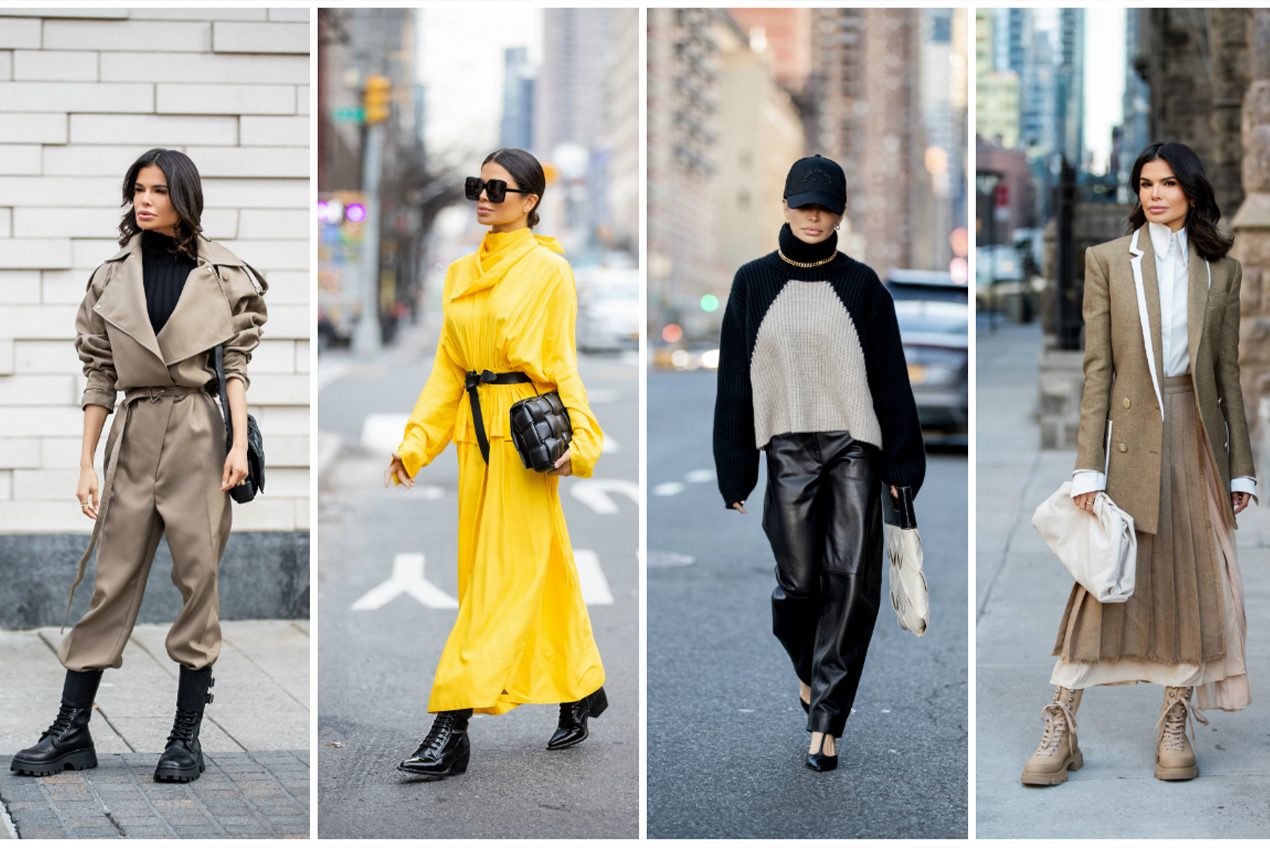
[[1162, 235]]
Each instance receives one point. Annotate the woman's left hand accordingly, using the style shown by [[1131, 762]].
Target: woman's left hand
[[1239, 500], [235, 468], [564, 465]]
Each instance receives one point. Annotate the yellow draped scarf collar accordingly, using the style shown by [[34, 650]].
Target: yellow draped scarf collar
[[498, 254]]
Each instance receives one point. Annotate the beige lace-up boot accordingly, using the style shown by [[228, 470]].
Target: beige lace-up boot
[[1174, 756], [1058, 752]]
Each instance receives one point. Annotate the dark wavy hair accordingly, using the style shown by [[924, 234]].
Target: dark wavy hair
[[185, 190], [525, 170], [1210, 240]]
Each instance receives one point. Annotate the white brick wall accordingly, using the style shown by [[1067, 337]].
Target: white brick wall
[[83, 92]]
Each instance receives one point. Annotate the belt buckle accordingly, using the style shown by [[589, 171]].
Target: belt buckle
[[472, 380], [154, 398]]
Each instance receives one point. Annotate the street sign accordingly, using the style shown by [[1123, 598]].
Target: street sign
[[349, 115]]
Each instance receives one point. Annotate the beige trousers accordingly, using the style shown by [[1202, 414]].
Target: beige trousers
[[164, 460]]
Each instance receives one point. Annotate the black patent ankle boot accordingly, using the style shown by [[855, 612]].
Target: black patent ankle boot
[[445, 751], [571, 729], [67, 744], [182, 758]]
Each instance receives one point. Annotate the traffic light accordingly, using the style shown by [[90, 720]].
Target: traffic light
[[377, 99]]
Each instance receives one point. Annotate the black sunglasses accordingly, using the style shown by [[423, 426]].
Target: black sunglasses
[[495, 190]]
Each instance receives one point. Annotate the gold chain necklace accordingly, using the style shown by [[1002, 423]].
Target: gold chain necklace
[[815, 264]]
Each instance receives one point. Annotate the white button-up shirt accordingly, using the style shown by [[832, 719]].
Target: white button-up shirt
[[1172, 283]]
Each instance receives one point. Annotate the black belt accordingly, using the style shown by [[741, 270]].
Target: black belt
[[472, 383]]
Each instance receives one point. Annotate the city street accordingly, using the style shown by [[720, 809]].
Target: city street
[[386, 598], [1020, 592], [726, 736]]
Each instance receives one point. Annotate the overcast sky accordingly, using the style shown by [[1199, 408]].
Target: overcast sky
[[461, 66], [1104, 80]]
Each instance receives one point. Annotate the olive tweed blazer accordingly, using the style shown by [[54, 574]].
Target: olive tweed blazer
[[1121, 418]]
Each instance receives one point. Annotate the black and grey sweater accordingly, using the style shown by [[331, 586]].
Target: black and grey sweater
[[811, 350]]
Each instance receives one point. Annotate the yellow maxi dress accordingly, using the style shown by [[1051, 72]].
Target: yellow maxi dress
[[523, 635]]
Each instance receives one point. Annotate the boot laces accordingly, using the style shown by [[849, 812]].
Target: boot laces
[[183, 726], [1059, 718], [61, 724], [442, 728], [1178, 718]]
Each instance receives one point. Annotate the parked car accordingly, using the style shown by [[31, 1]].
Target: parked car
[[609, 313], [933, 313]]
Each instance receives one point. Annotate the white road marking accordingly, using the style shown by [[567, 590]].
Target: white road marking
[[599, 396], [595, 494], [595, 586], [667, 489], [701, 475], [611, 445], [407, 579]]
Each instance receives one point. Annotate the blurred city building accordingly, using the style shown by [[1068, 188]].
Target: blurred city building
[[83, 93], [518, 100], [735, 96]]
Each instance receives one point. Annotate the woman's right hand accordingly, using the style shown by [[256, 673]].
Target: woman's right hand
[[86, 492], [396, 474], [739, 506], [1086, 501]]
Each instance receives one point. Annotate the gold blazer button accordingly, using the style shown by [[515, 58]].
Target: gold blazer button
[[1122, 447], [1127, 403]]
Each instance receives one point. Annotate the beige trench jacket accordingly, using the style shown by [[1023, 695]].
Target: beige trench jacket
[[221, 303], [1121, 423]]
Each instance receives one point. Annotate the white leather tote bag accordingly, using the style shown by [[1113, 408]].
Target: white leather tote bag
[[908, 584], [1099, 550]]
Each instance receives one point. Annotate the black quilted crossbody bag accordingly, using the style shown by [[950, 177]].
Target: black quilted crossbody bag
[[255, 482], [540, 426]]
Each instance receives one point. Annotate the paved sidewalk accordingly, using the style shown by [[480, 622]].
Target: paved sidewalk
[[255, 738], [1020, 594]]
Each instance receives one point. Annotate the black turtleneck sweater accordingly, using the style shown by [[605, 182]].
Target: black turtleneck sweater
[[163, 272], [811, 350]]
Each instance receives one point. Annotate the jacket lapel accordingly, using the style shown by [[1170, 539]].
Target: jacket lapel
[[202, 318], [1142, 262], [123, 303], [1198, 284]]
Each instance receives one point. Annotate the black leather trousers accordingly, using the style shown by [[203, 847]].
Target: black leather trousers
[[823, 516]]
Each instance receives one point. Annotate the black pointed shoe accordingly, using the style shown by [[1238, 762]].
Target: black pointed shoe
[[445, 751], [571, 728], [820, 761], [67, 744], [182, 758]]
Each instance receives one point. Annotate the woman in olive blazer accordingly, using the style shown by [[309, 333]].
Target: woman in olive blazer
[[1164, 434]]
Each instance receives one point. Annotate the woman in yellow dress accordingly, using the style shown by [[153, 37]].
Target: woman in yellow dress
[[522, 635]]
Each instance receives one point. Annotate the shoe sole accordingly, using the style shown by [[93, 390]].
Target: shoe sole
[[74, 761], [459, 767], [1182, 773], [175, 775], [1038, 778]]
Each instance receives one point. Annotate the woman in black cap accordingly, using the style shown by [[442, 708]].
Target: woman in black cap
[[812, 372]]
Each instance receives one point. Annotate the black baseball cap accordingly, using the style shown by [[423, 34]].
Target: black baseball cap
[[816, 181]]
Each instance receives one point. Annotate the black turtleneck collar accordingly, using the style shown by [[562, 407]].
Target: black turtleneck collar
[[800, 251], [156, 244]]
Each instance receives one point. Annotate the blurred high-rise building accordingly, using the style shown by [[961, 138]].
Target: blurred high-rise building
[[865, 93], [683, 204], [1070, 105], [997, 107], [784, 36], [517, 126], [620, 135], [569, 114], [760, 136], [1135, 132]]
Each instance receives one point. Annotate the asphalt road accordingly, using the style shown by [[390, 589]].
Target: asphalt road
[[376, 662], [726, 735]]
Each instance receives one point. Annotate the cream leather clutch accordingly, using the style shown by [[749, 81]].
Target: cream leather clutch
[[1100, 550]]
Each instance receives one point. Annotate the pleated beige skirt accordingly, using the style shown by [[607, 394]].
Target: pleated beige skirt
[[1177, 614]]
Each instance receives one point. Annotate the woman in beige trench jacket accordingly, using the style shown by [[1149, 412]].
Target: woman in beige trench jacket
[[1163, 433], [148, 326]]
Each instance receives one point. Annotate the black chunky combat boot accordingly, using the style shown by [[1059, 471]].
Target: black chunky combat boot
[[445, 751], [67, 744], [182, 759], [572, 728]]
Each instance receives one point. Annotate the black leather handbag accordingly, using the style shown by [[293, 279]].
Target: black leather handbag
[[541, 430], [255, 482]]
